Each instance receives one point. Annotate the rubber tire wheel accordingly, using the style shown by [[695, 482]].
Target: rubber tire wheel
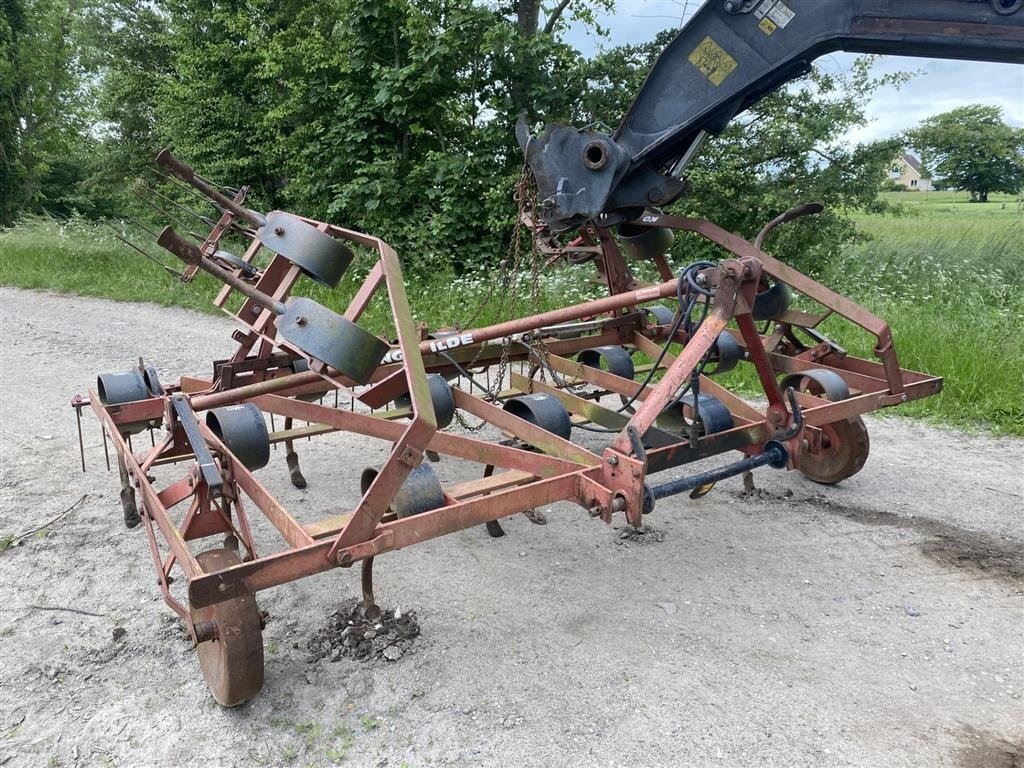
[[845, 448], [232, 663]]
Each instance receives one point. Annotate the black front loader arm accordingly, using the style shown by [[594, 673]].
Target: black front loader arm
[[726, 58]]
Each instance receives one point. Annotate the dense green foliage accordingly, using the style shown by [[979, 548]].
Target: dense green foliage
[[45, 162], [972, 148], [395, 117]]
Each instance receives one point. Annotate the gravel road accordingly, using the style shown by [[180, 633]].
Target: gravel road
[[878, 623]]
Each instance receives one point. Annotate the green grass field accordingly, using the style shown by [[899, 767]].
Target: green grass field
[[948, 275], [949, 278]]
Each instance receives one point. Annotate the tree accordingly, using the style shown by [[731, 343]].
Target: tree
[[972, 148], [125, 46], [395, 117], [12, 24], [46, 149]]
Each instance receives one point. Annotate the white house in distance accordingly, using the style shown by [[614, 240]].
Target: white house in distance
[[906, 172]]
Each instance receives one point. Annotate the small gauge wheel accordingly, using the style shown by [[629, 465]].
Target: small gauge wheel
[[232, 662], [844, 450]]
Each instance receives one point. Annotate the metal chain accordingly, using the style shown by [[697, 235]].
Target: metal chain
[[505, 286]]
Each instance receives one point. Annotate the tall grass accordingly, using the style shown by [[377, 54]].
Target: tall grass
[[951, 286], [953, 292], [80, 258]]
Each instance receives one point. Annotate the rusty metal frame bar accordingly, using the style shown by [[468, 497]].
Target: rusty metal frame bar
[[559, 470]]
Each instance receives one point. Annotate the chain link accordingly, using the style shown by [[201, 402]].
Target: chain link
[[504, 288]]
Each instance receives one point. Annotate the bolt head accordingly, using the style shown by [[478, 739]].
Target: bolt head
[[613, 461], [279, 231]]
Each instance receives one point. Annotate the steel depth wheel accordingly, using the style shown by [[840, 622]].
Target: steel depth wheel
[[844, 450], [232, 662], [844, 444]]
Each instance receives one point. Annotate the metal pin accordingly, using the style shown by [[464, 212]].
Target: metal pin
[[106, 453], [166, 214], [205, 219], [134, 247], [81, 445], [143, 227]]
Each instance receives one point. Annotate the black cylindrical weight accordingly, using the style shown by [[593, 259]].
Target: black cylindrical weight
[[645, 242], [544, 410], [119, 388], [244, 431], [440, 396], [420, 492]]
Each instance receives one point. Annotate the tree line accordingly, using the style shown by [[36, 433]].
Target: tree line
[[393, 116]]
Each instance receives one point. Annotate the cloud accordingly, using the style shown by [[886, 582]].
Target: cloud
[[942, 84]]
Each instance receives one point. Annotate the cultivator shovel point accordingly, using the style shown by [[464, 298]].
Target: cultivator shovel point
[[635, 370]]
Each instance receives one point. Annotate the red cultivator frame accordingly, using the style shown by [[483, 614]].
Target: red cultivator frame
[[291, 351]]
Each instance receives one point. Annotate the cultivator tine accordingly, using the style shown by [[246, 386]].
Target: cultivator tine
[[142, 226], [106, 450], [134, 247], [371, 611], [81, 443], [167, 215], [195, 214], [233, 226], [166, 177]]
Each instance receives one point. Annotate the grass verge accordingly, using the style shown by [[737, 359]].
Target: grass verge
[[951, 287]]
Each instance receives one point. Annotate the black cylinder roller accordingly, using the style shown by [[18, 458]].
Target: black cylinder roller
[[714, 415], [773, 302], [659, 314], [244, 432], [120, 388], [613, 359], [544, 410], [420, 492], [645, 242], [440, 396]]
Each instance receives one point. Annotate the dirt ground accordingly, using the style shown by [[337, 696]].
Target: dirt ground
[[877, 623]]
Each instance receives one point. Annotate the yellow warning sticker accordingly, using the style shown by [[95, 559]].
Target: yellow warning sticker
[[767, 26], [712, 60]]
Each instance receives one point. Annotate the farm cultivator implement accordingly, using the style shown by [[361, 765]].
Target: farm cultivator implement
[[550, 374]]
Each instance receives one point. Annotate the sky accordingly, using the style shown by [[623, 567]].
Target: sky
[[942, 84]]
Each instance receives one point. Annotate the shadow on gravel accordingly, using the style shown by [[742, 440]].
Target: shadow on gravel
[[979, 554], [987, 750]]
